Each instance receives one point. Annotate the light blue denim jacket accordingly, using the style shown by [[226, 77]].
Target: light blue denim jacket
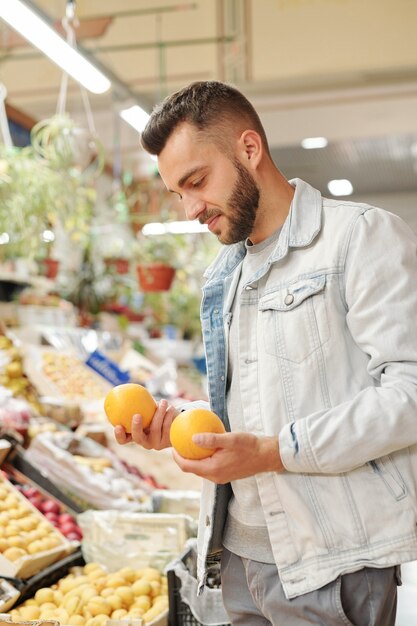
[[328, 363]]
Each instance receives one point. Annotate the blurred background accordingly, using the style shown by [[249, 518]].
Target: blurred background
[[344, 70]]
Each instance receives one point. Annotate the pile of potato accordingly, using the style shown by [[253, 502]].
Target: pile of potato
[[89, 596], [72, 377], [23, 531]]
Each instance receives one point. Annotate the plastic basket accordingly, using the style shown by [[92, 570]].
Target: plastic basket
[[179, 613]]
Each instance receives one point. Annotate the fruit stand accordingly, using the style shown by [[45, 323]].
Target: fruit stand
[[88, 529]]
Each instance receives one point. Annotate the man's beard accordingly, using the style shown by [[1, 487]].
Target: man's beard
[[242, 207]]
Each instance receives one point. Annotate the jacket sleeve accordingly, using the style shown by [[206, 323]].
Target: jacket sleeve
[[380, 291]]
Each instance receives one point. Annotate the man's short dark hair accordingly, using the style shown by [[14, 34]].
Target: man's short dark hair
[[214, 108]]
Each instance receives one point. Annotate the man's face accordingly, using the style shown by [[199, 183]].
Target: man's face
[[202, 176]]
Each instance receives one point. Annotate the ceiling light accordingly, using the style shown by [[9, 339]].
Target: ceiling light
[[180, 227], [36, 30], [309, 143], [135, 116], [340, 187]]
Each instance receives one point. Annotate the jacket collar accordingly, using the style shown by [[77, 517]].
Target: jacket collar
[[301, 226]]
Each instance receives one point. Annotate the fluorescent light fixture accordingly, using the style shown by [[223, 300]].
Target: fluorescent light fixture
[[135, 116], [340, 187], [310, 143], [183, 227], [26, 22]]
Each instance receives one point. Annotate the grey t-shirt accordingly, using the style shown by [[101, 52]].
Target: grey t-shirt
[[245, 532]]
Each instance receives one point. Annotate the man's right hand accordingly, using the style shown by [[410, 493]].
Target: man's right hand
[[156, 436]]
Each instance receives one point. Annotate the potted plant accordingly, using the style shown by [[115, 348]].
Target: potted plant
[[158, 257], [34, 197]]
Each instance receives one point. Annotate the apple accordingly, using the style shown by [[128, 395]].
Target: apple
[[37, 501], [65, 518], [52, 517], [50, 506], [73, 536], [31, 491], [68, 527]]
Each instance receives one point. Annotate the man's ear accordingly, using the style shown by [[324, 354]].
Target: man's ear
[[250, 148]]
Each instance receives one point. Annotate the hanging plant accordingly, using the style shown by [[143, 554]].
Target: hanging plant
[[34, 197], [66, 145]]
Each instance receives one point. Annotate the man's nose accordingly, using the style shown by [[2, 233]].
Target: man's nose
[[193, 207]]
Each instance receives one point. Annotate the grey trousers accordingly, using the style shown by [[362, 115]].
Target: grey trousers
[[253, 596]]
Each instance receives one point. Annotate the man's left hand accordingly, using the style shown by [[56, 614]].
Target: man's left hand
[[238, 455]]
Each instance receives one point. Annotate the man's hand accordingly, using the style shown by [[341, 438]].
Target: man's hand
[[238, 455], [156, 436]]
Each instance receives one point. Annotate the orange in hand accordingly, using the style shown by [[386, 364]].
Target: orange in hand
[[124, 401], [189, 423]]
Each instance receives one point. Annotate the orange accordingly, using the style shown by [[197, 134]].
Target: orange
[[189, 423], [124, 401]]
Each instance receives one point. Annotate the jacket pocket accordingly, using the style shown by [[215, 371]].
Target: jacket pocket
[[294, 318], [385, 468]]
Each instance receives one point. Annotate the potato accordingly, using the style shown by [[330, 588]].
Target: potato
[[115, 601], [45, 594], [90, 567], [128, 574], [142, 602], [14, 554], [114, 580], [98, 606], [29, 612], [141, 588], [76, 620], [119, 614], [126, 594]]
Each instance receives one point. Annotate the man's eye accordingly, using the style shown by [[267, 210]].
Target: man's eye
[[198, 182]]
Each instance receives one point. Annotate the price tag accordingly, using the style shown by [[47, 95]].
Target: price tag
[[107, 369]]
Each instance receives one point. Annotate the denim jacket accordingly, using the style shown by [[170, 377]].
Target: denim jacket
[[328, 364]]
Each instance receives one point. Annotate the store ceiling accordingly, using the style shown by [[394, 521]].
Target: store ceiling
[[311, 67]]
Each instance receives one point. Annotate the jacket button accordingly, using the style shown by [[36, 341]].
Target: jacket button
[[207, 520], [289, 299]]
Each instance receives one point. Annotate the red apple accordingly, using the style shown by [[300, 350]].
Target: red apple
[[68, 527], [65, 518], [31, 491], [37, 501], [73, 536], [52, 517], [50, 506]]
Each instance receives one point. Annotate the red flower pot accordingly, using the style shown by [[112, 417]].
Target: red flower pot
[[155, 277], [121, 265], [50, 267]]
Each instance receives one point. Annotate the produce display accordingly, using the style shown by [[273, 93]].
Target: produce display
[[71, 376], [12, 374], [47, 395], [24, 532], [89, 596], [192, 422], [88, 470], [124, 401], [53, 511]]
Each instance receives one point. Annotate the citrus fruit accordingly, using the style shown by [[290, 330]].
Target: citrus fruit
[[124, 401], [189, 423]]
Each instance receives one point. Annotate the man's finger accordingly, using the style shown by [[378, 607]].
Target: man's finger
[[211, 440], [120, 435]]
